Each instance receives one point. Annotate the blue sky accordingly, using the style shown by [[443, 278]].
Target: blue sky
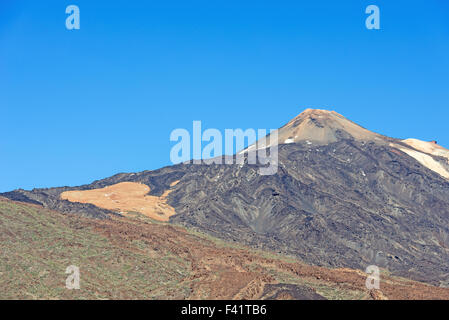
[[85, 104]]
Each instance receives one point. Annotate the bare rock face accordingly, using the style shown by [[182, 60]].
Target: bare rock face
[[342, 197]]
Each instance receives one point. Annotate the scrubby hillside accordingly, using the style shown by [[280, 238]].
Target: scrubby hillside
[[134, 257]]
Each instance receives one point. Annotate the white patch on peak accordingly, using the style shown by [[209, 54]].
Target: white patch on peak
[[425, 159]]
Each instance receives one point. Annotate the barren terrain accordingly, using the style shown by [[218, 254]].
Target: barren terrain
[[135, 257], [125, 197]]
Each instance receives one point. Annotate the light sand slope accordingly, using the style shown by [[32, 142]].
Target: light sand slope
[[427, 161], [125, 197], [428, 147], [422, 151]]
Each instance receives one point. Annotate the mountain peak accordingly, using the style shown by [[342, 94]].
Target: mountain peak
[[310, 111], [323, 126]]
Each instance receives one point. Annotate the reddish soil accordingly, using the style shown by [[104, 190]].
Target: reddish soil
[[234, 273], [221, 271]]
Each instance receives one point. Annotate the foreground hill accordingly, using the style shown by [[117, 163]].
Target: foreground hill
[[133, 257], [342, 197]]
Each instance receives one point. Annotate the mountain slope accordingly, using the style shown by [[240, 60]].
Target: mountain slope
[[135, 258], [342, 197]]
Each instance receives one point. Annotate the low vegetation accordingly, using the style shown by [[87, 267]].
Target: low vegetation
[[135, 257]]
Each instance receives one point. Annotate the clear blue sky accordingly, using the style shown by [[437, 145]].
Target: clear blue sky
[[82, 105]]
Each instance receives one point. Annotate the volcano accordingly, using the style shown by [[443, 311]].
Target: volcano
[[343, 196]]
